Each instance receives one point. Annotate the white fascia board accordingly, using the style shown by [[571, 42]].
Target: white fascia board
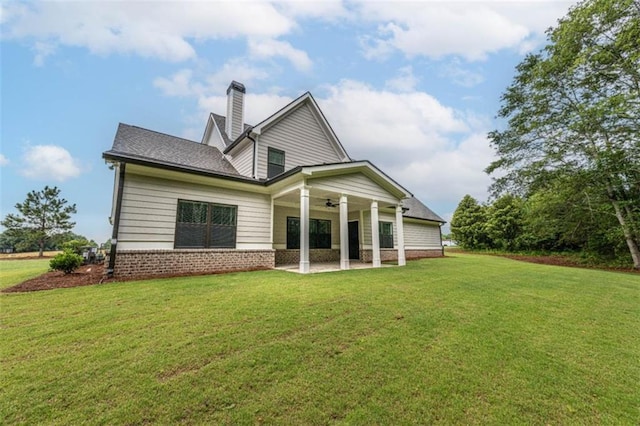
[[207, 129], [257, 129], [289, 189], [407, 219]]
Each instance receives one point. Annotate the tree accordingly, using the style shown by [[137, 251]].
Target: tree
[[42, 215], [468, 224], [504, 223], [573, 110]]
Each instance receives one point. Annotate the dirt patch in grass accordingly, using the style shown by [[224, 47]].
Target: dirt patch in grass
[[84, 275]]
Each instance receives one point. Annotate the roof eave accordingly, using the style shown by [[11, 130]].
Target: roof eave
[[114, 156]]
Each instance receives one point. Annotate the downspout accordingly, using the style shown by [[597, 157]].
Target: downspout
[[255, 148], [116, 223], [441, 245]]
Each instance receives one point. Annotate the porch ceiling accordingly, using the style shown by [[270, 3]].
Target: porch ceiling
[[318, 199]]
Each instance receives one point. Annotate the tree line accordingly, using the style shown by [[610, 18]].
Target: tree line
[[567, 174], [549, 221]]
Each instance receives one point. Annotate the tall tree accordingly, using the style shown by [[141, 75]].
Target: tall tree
[[468, 224], [42, 215], [573, 109], [505, 222]]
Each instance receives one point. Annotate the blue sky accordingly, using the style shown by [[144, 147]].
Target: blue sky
[[411, 86]]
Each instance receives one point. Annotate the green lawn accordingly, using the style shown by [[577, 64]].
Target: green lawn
[[464, 339], [13, 272]]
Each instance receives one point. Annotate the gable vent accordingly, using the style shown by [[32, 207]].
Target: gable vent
[[235, 110]]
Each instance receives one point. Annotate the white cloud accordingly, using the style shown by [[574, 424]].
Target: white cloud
[[434, 151], [3, 160], [162, 30], [326, 9], [471, 29], [460, 75], [269, 48], [239, 69], [49, 162], [179, 84], [405, 81], [385, 122], [446, 175]]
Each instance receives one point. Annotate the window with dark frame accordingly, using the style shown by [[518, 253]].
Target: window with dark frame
[[275, 162], [386, 234], [319, 233], [205, 225]]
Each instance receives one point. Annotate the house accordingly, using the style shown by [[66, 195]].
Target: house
[[246, 197]]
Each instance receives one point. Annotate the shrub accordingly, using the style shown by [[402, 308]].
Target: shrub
[[66, 262]]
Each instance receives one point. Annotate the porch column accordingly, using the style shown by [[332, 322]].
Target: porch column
[[344, 233], [375, 234], [304, 231], [400, 230]]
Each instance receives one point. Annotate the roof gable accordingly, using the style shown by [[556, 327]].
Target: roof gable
[[319, 118]]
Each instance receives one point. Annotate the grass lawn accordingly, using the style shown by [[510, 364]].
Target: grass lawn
[[464, 339], [13, 272]]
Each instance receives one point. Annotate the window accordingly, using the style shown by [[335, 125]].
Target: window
[[205, 225], [275, 162], [386, 234], [319, 233]]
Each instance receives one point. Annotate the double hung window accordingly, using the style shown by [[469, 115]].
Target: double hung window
[[205, 225], [386, 234], [319, 233], [275, 162]]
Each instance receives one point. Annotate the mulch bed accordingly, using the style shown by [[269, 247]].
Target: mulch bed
[[84, 275]]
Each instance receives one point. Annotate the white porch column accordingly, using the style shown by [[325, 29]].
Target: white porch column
[[402, 260], [304, 231], [375, 235], [344, 233]]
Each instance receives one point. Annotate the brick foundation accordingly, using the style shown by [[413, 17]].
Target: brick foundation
[[388, 255], [157, 263], [287, 257]]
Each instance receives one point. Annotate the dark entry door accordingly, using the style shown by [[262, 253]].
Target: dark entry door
[[354, 244]]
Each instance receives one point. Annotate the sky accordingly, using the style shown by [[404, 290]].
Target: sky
[[413, 87]]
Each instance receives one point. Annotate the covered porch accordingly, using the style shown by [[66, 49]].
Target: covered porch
[[338, 217]]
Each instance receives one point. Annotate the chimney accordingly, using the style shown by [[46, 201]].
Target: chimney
[[235, 110]]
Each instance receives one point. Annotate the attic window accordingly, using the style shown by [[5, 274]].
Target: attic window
[[275, 162]]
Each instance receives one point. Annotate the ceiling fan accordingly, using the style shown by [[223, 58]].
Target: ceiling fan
[[329, 204]]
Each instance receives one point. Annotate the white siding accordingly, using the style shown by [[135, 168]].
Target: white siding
[[382, 217], [149, 205], [280, 225], [302, 139], [215, 139], [242, 160], [353, 184], [421, 236]]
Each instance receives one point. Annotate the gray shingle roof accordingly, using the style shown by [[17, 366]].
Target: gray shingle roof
[[160, 148], [420, 211]]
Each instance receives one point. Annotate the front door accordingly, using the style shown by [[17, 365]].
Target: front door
[[354, 244]]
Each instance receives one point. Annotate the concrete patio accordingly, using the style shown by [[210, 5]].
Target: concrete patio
[[329, 266]]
